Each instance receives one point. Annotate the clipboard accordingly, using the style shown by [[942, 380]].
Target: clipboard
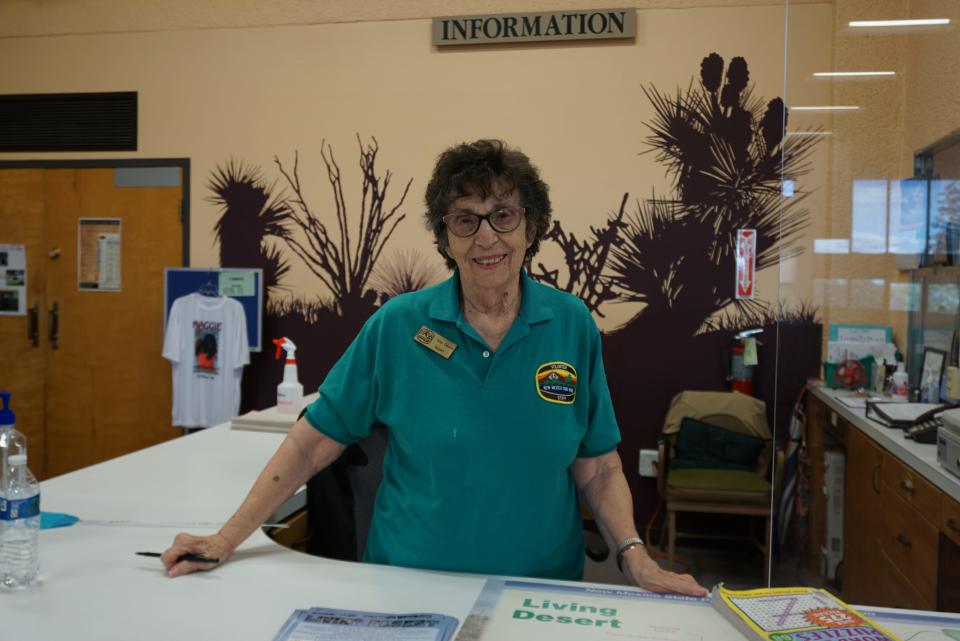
[[902, 415]]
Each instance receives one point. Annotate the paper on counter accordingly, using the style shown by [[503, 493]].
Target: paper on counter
[[839, 351], [325, 624]]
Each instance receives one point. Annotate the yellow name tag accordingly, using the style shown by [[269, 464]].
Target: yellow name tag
[[435, 342]]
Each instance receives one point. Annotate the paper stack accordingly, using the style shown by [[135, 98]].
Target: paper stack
[[268, 420]]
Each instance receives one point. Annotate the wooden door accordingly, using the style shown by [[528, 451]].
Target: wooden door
[[22, 208], [863, 577], [105, 388]]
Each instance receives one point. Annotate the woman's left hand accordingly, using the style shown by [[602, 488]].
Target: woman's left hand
[[642, 571]]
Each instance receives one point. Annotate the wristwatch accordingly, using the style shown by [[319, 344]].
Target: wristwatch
[[623, 546]]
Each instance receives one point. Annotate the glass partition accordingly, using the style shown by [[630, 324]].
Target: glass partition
[[878, 265]]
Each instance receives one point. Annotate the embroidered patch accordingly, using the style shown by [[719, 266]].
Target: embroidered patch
[[557, 382], [435, 342]]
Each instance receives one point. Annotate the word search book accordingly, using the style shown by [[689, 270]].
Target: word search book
[[795, 614]]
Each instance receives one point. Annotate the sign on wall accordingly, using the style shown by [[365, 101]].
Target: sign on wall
[[13, 280], [746, 263], [502, 28], [98, 254]]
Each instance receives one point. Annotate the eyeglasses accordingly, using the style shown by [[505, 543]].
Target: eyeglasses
[[465, 224]]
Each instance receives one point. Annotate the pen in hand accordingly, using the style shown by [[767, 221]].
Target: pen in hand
[[196, 558]]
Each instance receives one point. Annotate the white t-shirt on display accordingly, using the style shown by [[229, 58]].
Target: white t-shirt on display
[[206, 342]]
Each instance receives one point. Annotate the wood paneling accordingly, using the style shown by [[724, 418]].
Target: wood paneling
[[22, 208]]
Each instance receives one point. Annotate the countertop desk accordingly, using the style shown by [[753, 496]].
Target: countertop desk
[[900, 509], [921, 457], [92, 586]]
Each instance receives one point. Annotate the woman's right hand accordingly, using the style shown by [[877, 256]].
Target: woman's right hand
[[215, 546]]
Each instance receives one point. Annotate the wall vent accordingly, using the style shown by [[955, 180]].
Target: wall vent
[[69, 122]]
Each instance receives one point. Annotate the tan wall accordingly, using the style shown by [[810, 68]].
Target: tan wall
[[578, 110], [57, 17], [897, 117]]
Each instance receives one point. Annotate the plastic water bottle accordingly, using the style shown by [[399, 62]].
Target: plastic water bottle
[[20, 525], [11, 441]]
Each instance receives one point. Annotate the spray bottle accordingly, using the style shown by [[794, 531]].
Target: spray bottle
[[290, 391]]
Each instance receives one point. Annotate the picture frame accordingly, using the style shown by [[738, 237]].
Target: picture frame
[[933, 360]]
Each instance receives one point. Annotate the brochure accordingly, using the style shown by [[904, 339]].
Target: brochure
[[326, 624]]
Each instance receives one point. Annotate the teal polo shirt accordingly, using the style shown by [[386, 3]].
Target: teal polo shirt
[[477, 474]]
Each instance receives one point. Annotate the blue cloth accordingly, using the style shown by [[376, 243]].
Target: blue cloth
[[50, 520], [477, 470]]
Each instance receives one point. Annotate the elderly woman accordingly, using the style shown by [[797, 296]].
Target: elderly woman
[[492, 390]]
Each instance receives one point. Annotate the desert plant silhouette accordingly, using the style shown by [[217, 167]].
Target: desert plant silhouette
[[342, 265], [727, 155], [252, 213], [322, 324]]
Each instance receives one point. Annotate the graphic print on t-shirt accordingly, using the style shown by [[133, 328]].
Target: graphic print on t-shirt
[[206, 335]]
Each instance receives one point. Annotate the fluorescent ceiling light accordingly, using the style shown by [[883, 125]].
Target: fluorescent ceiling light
[[922, 22], [825, 108], [852, 74]]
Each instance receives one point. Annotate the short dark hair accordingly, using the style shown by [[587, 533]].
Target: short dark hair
[[475, 169]]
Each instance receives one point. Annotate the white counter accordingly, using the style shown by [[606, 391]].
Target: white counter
[[921, 457], [93, 587]]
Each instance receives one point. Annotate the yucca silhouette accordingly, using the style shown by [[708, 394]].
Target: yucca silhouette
[[252, 213], [404, 271], [727, 155]]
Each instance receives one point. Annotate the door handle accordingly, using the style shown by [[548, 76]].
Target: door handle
[[906, 484], [904, 541], [33, 324], [54, 317]]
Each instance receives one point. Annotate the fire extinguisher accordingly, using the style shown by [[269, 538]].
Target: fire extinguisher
[[739, 373]]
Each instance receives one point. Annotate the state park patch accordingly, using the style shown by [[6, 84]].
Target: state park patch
[[557, 382]]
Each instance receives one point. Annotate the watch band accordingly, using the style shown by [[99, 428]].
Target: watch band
[[624, 545]]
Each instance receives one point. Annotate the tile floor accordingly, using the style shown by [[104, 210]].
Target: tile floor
[[736, 565]]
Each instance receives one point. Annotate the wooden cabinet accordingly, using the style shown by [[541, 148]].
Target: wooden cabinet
[[950, 519], [826, 431], [901, 533], [948, 584], [910, 541], [863, 575]]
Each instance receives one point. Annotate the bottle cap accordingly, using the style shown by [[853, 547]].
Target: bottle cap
[[7, 417], [17, 459]]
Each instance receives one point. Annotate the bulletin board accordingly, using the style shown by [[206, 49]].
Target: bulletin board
[[232, 282]]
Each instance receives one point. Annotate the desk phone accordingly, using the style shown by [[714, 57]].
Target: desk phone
[[924, 431]]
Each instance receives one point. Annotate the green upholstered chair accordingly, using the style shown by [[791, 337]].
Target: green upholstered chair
[[715, 457]]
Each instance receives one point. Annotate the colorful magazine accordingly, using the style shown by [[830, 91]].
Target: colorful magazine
[[795, 614]]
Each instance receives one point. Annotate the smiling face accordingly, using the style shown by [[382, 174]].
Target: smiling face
[[489, 261]]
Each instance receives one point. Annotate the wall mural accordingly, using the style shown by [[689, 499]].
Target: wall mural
[[725, 152]]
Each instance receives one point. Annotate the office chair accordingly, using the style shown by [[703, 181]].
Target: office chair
[[715, 455], [340, 499]]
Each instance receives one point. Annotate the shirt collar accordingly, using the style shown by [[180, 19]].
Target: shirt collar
[[533, 308]]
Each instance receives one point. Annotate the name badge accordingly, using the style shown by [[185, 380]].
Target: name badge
[[435, 342]]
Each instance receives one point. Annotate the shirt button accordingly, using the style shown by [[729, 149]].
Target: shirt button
[[486, 354]]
